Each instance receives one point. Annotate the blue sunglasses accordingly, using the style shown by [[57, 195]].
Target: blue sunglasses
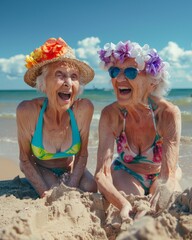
[[129, 72]]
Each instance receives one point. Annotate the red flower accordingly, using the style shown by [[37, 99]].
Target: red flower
[[128, 158], [53, 48], [157, 152]]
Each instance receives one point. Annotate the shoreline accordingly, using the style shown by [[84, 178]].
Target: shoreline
[[10, 164]]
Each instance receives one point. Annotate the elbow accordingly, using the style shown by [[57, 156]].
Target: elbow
[[24, 166], [21, 165], [97, 177], [99, 180]]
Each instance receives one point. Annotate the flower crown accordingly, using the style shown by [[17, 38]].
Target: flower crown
[[52, 48], [145, 57]]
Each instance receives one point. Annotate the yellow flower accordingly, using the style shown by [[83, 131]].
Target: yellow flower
[[30, 61], [37, 54]]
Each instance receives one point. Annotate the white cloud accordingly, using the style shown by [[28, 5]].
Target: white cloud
[[180, 63], [177, 56], [87, 50], [13, 67]]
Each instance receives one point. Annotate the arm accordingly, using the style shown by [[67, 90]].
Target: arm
[[84, 117], [167, 181], [25, 118], [103, 174]]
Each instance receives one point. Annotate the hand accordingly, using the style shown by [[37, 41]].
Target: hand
[[162, 194], [124, 213], [65, 177], [46, 194]]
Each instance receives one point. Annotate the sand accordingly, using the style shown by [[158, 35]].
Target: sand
[[68, 213], [9, 169]]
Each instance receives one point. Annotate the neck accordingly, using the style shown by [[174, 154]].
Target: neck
[[55, 115], [136, 110]]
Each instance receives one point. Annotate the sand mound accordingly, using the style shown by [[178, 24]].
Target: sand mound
[[68, 213]]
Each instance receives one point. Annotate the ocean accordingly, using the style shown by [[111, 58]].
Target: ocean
[[100, 98]]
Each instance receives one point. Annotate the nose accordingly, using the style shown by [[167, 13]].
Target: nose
[[121, 77], [67, 81]]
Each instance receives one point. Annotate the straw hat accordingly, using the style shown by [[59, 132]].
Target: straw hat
[[54, 50]]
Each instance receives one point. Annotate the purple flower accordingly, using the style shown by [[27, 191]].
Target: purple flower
[[123, 51], [102, 56], [154, 64]]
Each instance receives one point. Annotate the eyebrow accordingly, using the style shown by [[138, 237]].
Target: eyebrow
[[58, 72]]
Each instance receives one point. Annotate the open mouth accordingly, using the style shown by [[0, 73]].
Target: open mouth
[[124, 90], [64, 96]]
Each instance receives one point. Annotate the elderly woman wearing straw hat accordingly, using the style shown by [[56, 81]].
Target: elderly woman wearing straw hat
[[53, 131], [144, 125]]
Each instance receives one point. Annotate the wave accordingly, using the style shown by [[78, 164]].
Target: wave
[[187, 101], [8, 140], [186, 116], [96, 116], [7, 115], [186, 139]]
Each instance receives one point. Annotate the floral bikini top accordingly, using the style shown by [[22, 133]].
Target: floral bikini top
[[151, 155]]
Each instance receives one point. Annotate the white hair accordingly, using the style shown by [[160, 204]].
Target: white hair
[[162, 83], [162, 88], [40, 80]]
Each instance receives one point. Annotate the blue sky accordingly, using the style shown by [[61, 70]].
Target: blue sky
[[87, 25]]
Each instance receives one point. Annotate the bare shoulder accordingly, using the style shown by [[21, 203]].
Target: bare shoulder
[[168, 110], [169, 119], [110, 117], [110, 110], [28, 110], [83, 110], [83, 105], [28, 106]]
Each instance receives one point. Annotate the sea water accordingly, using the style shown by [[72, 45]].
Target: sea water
[[9, 101]]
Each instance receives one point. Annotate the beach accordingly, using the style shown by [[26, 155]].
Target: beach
[[68, 213]]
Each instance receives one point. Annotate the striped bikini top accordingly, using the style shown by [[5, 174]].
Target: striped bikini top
[[37, 140]]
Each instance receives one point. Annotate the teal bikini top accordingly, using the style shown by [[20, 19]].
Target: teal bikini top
[[37, 140]]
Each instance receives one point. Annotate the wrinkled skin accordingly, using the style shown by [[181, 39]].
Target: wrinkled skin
[[140, 133], [61, 88]]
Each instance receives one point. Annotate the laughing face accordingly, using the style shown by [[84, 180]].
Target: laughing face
[[130, 90], [62, 84]]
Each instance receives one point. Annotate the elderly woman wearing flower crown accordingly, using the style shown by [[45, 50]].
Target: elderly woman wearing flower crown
[[53, 131], [145, 127]]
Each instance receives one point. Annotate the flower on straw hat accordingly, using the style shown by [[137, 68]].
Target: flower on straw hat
[[54, 50]]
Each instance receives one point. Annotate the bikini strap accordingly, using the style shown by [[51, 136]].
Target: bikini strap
[[37, 136], [124, 113], [153, 117]]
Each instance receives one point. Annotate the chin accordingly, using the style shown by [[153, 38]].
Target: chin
[[125, 100]]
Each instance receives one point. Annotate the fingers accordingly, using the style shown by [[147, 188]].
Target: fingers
[[125, 212], [154, 200], [140, 214]]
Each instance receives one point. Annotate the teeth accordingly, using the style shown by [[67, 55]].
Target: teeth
[[124, 88], [66, 92]]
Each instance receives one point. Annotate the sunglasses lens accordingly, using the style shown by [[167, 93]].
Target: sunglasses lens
[[131, 73], [113, 72]]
